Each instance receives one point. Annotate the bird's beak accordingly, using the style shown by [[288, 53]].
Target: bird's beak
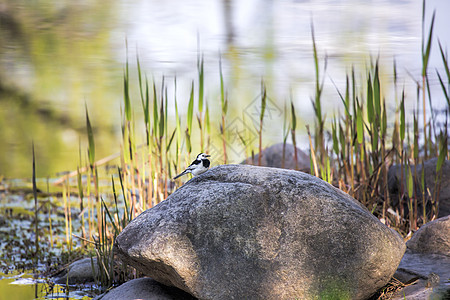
[[207, 155]]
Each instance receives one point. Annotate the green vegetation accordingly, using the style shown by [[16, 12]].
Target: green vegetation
[[352, 151]]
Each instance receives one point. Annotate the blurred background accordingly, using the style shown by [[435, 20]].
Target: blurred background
[[58, 57]]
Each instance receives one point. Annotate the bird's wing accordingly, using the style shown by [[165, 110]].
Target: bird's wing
[[192, 167], [195, 162]]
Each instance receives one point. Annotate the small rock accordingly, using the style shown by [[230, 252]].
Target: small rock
[[429, 272], [144, 289], [273, 157], [432, 280], [433, 237], [78, 272], [246, 232]]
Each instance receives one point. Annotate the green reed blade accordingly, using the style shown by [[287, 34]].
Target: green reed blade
[[200, 85], [155, 110], [384, 120], [261, 118], [147, 111], [375, 137], [370, 95], [190, 112], [177, 116], [161, 125], [111, 219], [317, 99], [127, 213], [293, 117], [444, 89], [443, 150], [80, 188], [416, 138], [342, 140], [36, 219], [359, 125], [377, 91], [286, 126], [402, 118], [126, 94], [170, 140], [410, 182], [90, 133], [222, 89], [344, 100], [444, 57], [188, 141], [395, 72], [166, 116], [140, 80], [334, 135], [263, 100], [426, 51], [115, 196]]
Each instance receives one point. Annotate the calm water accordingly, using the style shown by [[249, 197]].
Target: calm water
[[58, 56]]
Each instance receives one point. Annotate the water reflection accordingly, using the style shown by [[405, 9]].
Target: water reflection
[[56, 56]]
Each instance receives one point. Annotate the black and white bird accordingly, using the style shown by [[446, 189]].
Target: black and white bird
[[198, 166]]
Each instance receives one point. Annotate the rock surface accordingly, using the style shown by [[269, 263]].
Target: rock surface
[[78, 272], [432, 272], [427, 260], [145, 289], [245, 232], [273, 157], [433, 237], [394, 184]]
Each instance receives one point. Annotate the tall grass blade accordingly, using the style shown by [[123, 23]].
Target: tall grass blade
[[90, 133], [377, 91], [177, 117], [443, 150], [427, 50], [200, 85], [359, 125], [126, 94], [162, 119], [170, 140], [370, 95], [446, 90], [261, 118], [155, 110], [402, 118], [111, 219], [36, 219], [190, 112], [80, 188]]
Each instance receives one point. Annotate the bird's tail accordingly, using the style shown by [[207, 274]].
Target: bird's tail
[[179, 175]]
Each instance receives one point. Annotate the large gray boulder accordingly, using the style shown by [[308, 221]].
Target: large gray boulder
[[246, 232]]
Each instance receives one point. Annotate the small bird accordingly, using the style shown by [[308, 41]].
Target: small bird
[[198, 166]]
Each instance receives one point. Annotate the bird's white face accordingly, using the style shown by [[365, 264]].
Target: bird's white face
[[202, 156]]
